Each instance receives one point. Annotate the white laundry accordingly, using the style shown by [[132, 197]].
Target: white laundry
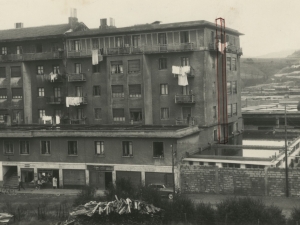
[[57, 120], [175, 69], [182, 79], [46, 118], [95, 57], [73, 101], [186, 69], [53, 77], [100, 57]]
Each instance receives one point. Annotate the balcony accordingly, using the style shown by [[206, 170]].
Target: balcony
[[191, 122], [55, 79], [145, 49], [31, 56], [191, 74], [212, 47], [76, 101], [187, 99], [76, 77], [74, 121], [55, 100]]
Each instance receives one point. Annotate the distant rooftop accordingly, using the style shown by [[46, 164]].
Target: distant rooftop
[[148, 27]]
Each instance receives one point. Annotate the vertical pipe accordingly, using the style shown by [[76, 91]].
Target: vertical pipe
[[286, 164]]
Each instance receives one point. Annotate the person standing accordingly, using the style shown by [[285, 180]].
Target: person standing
[[54, 182], [20, 183]]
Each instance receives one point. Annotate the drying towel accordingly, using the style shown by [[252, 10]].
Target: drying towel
[[57, 120], [73, 101], [186, 69], [53, 77], [175, 69], [95, 56], [182, 78]]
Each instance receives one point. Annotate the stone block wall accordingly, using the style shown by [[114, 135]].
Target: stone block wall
[[237, 181]]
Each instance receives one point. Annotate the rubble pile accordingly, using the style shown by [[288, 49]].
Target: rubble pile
[[120, 206]]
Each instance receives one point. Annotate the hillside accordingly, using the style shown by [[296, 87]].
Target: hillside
[[296, 54]]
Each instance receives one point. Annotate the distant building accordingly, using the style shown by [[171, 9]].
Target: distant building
[[47, 77]]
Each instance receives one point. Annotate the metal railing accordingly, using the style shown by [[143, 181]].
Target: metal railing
[[184, 99], [145, 49], [31, 56], [75, 77], [55, 100], [81, 100]]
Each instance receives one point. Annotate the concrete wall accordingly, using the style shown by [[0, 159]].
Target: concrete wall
[[261, 182]]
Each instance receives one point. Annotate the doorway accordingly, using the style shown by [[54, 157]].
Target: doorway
[[100, 179]]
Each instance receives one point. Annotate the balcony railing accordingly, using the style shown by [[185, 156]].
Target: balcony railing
[[55, 79], [191, 121], [145, 49], [31, 56], [76, 77], [73, 121], [184, 99], [55, 100], [76, 101]]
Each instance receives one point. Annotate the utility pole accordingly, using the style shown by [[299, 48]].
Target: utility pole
[[173, 174], [286, 161]]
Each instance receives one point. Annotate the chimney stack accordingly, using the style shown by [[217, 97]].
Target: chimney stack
[[73, 20], [18, 25], [104, 25]]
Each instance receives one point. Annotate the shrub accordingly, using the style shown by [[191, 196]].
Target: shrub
[[204, 213], [295, 216], [123, 188], [248, 211], [149, 195], [86, 194]]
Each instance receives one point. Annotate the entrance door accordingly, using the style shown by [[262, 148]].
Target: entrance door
[[97, 179], [186, 112]]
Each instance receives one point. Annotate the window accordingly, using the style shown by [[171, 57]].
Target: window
[[134, 66], [229, 87], [38, 48], [185, 61], [8, 147], [45, 147], [3, 93], [158, 149], [127, 148], [236, 127], [17, 115], [233, 64], [4, 50], [97, 113], [72, 147], [136, 115], [96, 68], [213, 62], [2, 72], [79, 113], [42, 113], [228, 63], [95, 43], [185, 90], [119, 42], [99, 147], [117, 91], [162, 63], [40, 70], [231, 165], [234, 87], [116, 67], [57, 93], [164, 89], [136, 40], [56, 70], [17, 93], [19, 50], [234, 109], [41, 92], [229, 110], [118, 115], [78, 91], [215, 135], [15, 71], [55, 46], [212, 36], [162, 38], [96, 91], [212, 164], [24, 147], [58, 112], [184, 37], [215, 111], [135, 91], [75, 45], [77, 68], [249, 166], [164, 113]]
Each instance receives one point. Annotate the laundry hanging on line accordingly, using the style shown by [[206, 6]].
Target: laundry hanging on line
[[182, 74], [95, 59], [53, 76], [74, 101]]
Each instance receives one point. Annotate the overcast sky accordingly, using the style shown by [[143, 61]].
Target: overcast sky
[[269, 25]]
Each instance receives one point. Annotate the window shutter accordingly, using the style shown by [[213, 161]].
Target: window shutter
[[133, 66], [2, 72], [15, 71], [117, 88], [17, 91], [135, 89]]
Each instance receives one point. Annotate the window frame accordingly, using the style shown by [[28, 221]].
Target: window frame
[[136, 110], [11, 147], [233, 64], [71, 144], [13, 76], [100, 117], [96, 92], [28, 147], [16, 96], [185, 61], [3, 96], [229, 112], [168, 110], [164, 88], [133, 71], [117, 94], [55, 69], [136, 95], [118, 119], [162, 64], [40, 70], [228, 63], [49, 147], [3, 68], [43, 111], [41, 92], [234, 87], [234, 113], [119, 69], [215, 112], [229, 90], [128, 149], [163, 149], [79, 67], [4, 50], [102, 148]]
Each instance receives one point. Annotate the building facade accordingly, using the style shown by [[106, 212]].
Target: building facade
[[69, 75]]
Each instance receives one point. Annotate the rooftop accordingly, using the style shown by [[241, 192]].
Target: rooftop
[[147, 27]]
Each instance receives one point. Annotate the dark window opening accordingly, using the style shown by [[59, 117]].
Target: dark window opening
[[127, 148], [38, 48], [158, 149], [72, 147], [2, 72], [134, 66], [136, 114], [135, 90], [45, 147], [15, 71], [162, 63], [96, 91], [24, 147], [17, 93]]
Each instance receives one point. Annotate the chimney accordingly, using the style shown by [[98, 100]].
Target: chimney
[[104, 25], [18, 25], [73, 20]]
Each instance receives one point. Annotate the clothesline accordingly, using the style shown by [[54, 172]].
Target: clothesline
[[182, 74]]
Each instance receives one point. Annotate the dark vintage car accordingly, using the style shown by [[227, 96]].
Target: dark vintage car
[[163, 190]]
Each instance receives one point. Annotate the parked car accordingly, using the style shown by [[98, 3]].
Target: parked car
[[163, 190]]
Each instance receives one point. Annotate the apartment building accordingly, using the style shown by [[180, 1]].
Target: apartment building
[[74, 77]]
